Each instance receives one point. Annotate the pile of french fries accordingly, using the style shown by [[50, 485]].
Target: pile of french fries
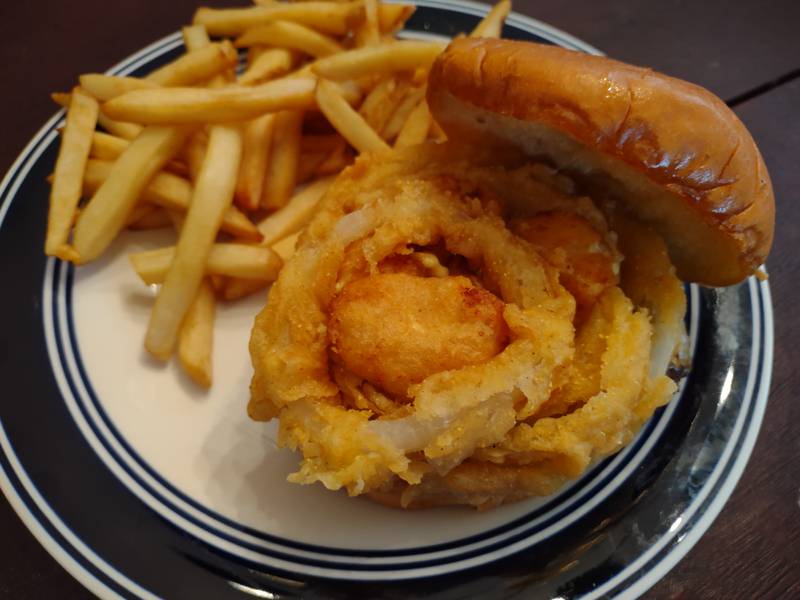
[[234, 152]]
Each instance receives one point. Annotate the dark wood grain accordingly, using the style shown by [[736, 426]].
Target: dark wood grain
[[728, 47], [751, 551]]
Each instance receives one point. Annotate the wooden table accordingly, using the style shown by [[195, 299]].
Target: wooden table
[[746, 52]]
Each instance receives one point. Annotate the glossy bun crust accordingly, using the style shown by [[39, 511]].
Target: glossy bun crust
[[669, 152]]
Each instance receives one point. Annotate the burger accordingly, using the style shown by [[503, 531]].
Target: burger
[[479, 321]]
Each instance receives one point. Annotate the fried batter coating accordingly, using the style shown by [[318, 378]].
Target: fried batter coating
[[394, 330], [370, 351], [568, 242]]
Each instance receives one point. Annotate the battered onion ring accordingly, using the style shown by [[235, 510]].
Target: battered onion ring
[[470, 435]]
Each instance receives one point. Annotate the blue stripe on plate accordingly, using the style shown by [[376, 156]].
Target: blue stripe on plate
[[289, 543]]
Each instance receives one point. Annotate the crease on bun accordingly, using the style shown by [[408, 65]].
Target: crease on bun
[[670, 152]]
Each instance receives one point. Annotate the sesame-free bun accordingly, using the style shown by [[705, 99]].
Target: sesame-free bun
[[667, 151]]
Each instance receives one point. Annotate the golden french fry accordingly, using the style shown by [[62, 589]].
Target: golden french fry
[[269, 64], [121, 129], [382, 101], [337, 160], [253, 53], [233, 260], [173, 193], [401, 114], [327, 17], [415, 129], [350, 91], [405, 55], [140, 211], [195, 151], [213, 194], [285, 247], [148, 216], [289, 35], [106, 87], [196, 338], [106, 146], [104, 216], [195, 37], [257, 142], [492, 24], [200, 105], [73, 154], [177, 217], [281, 173], [391, 17], [239, 288], [196, 66], [61, 98], [296, 214], [370, 29], [347, 121]]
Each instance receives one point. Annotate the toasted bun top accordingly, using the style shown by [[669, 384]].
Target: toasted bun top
[[670, 152]]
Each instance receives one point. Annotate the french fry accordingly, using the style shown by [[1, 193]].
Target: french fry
[[402, 113], [350, 91], [327, 17], [173, 193], [150, 217], [296, 214], [269, 64], [405, 55], [106, 87], [281, 173], [139, 211], [415, 130], [104, 216], [289, 35], [196, 66], [257, 142], [121, 129], [381, 102], [337, 160], [106, 146], [370, 29], [253, 53], [285, 247], [212, 195], [195, 37], [233, 260], [236, 289], [195, 151], [391, 17], [347, 121], [196, 338], [177, 217], [61, 98], [200, 105], [73, 154], [492, 24]]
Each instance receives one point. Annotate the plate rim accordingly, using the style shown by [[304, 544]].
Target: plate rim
[[28, 157]]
